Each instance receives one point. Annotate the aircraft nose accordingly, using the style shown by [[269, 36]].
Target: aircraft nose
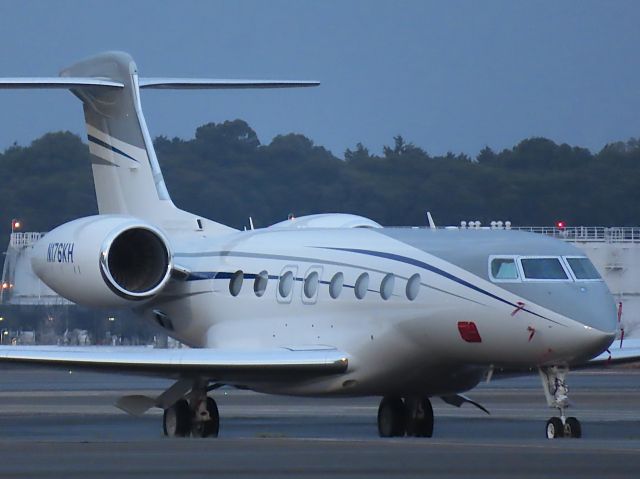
[[594, 342], [596, 308], [599, 319]]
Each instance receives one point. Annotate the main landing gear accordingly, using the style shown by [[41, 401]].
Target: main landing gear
[[556, 392], [195, 416], [412, 416]]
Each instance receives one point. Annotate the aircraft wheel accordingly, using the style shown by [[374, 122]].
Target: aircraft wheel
[[391, 417], [572, 428], [177, 419], [208, 427], [419, 417], [555, 428]]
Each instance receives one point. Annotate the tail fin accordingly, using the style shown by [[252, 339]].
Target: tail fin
[[126, 172]]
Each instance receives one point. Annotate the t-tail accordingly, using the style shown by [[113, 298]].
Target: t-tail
[[126, 172]]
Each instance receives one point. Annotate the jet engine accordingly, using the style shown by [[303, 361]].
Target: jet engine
[[104, 260]]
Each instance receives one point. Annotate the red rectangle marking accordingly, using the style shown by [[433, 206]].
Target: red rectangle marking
[[469, 331]]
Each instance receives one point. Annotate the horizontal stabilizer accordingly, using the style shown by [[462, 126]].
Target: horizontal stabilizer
[[57, 82], [208, 83], [158, 83]]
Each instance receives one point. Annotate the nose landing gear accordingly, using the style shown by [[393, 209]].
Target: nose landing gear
[[556, 392]]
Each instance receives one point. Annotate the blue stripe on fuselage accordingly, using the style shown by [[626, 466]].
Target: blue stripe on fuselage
[[433, 269]]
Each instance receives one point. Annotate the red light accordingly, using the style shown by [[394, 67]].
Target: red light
[[561, 225]]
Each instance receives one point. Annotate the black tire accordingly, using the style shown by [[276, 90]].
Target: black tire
[[419, 417], [555, 428], [211, 427], [177, 419], [572, 428], [391, 417]]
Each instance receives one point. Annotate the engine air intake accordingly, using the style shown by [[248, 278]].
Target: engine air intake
[[137, 262]]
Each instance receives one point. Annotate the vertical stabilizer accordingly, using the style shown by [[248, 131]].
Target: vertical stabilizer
[[126, 173]]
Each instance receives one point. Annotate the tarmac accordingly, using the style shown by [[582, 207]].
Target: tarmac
[[61, 424]]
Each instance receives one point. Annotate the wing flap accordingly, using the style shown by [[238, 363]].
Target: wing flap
[[215, 364]]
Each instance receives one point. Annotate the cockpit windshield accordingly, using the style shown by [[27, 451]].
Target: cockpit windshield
[[504, 269], [582, 268], [543, 268], [515, 269]]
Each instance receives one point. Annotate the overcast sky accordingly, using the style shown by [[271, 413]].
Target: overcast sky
[[448, 76]]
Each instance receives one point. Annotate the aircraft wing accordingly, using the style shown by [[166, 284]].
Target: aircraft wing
[[221, 365], [626, 355], [617, 354]]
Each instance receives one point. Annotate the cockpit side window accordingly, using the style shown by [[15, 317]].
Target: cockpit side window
[[504, 269], [545, 268], [582, 268]]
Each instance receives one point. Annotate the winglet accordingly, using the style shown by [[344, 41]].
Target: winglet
[[432, 225]]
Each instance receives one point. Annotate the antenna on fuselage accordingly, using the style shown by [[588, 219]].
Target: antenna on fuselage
[[432, 225], [251, 223]]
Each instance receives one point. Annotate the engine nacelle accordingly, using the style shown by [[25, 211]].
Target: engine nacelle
[[104, 261]]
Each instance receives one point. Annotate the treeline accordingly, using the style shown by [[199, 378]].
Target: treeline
[[225, 174]]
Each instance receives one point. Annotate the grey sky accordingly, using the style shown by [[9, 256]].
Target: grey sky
[[450, 75]]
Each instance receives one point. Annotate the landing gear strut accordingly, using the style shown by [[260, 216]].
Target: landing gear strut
[[197, 416], [556, 392], [412, 416]]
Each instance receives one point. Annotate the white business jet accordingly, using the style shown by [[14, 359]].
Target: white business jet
[[323, 305]]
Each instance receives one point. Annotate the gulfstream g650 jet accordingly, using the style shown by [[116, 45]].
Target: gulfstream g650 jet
[[324, 305]]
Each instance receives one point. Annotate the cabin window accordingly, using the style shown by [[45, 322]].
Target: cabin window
[[335, 286], [413, 287], [386, 286], [361, 286], [504, 269], [311, 285], [582, 268], [235, 283], [285, 286], [260, 283], [543, 269]]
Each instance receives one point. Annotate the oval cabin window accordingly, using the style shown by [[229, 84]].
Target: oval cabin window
[[413, 287], [386, 286], [311, 285], [286, 284], [335, 286], [362, 285], [235, 283], [260, 283]]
